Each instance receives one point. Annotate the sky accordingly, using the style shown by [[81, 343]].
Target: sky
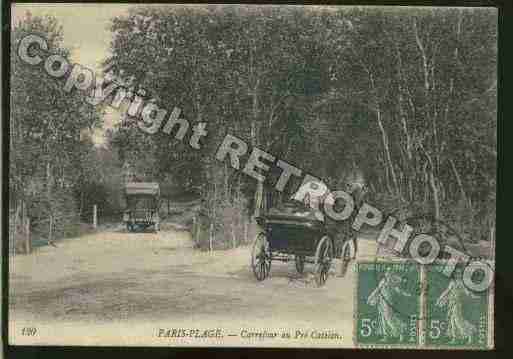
[[85, 26], [85, 31]]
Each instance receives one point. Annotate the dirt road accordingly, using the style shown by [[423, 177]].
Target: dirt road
[[139, 282]]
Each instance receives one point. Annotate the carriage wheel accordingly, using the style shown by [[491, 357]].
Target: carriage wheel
[[300, 263], [323, 257], [261, 257], [346, 259]]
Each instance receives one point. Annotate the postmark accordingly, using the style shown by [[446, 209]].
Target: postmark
[[441, 322], [421, 224], [382, 288]]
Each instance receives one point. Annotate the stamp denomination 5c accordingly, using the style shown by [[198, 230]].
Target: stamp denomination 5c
[[455, 315], [388, 304], [408, 305]]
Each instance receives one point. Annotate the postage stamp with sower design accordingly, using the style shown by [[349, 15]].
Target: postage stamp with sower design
[[455, 315], [418, 306], [388, 304]]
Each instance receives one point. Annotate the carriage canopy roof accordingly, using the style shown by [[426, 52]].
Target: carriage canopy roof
[[142, 188]]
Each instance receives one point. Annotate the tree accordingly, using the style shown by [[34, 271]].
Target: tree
[[404, 99], [45, 128]]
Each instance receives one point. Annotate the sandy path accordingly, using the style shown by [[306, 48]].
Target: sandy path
[[118, 288]]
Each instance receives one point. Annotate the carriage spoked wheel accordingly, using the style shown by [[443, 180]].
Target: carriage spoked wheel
[[261, 257], [323, 257], [300, 263]]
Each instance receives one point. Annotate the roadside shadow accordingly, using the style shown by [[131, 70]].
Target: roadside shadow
[[285, 271], [137, 231]]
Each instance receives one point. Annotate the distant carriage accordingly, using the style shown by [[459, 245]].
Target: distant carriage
[[142, 206]]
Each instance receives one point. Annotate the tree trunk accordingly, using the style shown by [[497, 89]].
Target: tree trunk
[[28, 243], [50, 231], [426, 182], [259, 194], [234, 240], [404, 123], [458, 180], [386, 148], [424, 57], [17, 225], [211, 238], [81, 202], [259, 191], [436, 195], [384, 137], [49, 187]]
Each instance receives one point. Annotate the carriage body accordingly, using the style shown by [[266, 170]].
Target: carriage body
[[142, 205], [293, 235]]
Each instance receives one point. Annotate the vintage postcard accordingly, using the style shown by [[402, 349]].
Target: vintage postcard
[[251, 176]]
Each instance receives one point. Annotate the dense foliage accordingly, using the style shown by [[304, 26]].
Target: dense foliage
[[51, 167], [405, 99]]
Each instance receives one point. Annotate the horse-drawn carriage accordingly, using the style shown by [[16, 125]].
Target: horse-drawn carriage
[[142, 205], [294, 230]]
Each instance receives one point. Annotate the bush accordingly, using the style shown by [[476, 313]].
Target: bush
[[227, 222], [471, 222]]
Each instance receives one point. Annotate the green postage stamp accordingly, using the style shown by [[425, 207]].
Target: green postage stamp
[[409, 305], [455, 315], [388, 304]]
